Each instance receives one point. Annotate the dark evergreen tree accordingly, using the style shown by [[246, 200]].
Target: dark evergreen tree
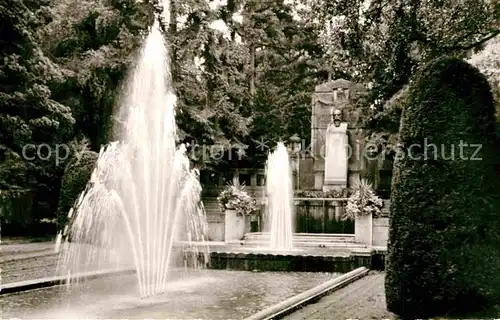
[[94, 43], [32, 123], [444, 245]]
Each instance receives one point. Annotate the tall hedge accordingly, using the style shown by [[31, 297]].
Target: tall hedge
[[444, 237], [75, 178]]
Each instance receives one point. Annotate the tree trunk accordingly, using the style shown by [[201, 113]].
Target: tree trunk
[[172, 30], [252, 74]]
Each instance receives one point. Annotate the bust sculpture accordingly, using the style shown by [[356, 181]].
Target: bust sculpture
[[336, 116]]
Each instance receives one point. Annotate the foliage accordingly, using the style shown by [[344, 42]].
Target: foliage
[[385, 139], [11, 210], [488, 62], [248, 79], [285, 70], [234, 196], [29, 114], [443, 253], [208, 79], [94, 42], [62, 63], [363, 201], [75, 178], [384, 40], [383, 43], [67, 66], [243, 71]]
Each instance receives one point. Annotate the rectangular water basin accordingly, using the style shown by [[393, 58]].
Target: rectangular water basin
[[206, 294]]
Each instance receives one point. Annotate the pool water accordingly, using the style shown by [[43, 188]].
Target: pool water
[[207, 294]]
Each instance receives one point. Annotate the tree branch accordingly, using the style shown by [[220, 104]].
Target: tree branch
[[476, 44]]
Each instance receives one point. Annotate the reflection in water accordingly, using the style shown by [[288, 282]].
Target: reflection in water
[[213, 294]]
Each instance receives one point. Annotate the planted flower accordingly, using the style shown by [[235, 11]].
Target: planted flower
[[363, 201], [235, 197]]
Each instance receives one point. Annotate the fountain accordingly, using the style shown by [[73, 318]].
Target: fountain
[[143, 198], [280, 210]]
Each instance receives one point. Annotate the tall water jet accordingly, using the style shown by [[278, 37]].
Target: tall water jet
[[143, 197], [280, 209]]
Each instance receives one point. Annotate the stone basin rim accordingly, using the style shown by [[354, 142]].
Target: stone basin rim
[[27, 285], [291, 304]]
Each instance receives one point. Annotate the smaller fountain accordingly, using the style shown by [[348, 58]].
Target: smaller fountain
[[280, 210]]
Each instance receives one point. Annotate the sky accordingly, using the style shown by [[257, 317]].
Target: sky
[[219, 24]]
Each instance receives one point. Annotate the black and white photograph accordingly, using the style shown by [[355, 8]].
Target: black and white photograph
[[250, 159]]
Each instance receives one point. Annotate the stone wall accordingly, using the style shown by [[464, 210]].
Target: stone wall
[[306, 173]]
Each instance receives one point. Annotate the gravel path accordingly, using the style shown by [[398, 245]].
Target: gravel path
[[25, 250], [19, 262], [362, 299], [28, 268]]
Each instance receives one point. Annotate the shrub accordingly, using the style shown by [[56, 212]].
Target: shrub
[[444, 252], [75, 178]]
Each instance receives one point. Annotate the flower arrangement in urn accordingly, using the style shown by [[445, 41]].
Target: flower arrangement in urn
[[363, 201], [234, 196]]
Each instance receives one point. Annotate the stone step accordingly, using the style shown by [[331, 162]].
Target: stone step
[[256, 243], [306, 240], [211, 202], [311, 237], [212, 207], [216, 211], [306, 235]]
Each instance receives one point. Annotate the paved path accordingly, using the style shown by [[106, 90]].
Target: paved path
[[363, 299]]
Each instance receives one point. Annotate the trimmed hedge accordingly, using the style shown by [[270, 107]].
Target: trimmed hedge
[[75, 178], [444, 236]]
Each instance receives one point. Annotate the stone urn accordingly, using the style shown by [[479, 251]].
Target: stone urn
[[235, 225], [363, 226]]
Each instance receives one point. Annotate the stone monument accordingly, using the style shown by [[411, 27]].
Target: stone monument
[[336, 139]]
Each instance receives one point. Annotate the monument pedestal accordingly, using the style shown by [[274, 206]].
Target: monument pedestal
[[336, 157], [331, 187]]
